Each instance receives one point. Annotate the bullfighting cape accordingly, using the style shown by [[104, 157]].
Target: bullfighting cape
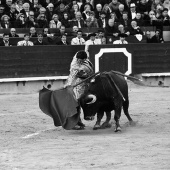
[[61, 105]]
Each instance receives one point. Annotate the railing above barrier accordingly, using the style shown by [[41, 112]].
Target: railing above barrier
[[86, 31]]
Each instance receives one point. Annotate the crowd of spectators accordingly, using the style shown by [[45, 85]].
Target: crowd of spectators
[[114, 17]]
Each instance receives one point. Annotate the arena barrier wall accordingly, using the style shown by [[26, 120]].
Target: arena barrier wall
[[49, 65]]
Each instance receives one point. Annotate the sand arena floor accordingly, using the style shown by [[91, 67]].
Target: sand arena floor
[[29, 141]]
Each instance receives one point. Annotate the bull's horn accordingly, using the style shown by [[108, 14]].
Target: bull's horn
[[93, 97]]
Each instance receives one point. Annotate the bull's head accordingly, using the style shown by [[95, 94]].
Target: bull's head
[[89, 101]]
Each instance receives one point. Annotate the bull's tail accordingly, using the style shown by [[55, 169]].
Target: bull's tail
[[125, 105]]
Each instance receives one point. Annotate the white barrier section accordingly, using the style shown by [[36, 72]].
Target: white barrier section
[[114, 50], [31, 84]]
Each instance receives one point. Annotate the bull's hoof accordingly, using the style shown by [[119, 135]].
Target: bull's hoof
[[78, 127], [81, 124], [106, 125], [96, 127], [118, 129]]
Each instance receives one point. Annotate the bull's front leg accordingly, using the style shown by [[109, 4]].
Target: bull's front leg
[[99, 118], [106, 124], [118, 109]]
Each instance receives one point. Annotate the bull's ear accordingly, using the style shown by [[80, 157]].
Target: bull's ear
[[92, 80]]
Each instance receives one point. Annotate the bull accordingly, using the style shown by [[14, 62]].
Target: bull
[[106, 92]]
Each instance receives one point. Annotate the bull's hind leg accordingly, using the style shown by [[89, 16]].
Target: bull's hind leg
[[106, 124], [125, 109], [99, 118], [118, 109]]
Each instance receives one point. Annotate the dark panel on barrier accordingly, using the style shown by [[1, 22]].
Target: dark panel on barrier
[[36, 61], [111, 61]]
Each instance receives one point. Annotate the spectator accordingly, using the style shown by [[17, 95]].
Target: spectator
[[111, 29], [45, 3], [55, 23], [50, 12], [101, 37], [156, 4], [87, 2], [119, 12], [123, 30], [26, 41], [33, 32], [42, 21], [74, 31], [5, 41], [42, 10], [135, 29], [104, 40], [165, 17], [65, 20], [102, 21], [102, 2], [91, 22], [40, 39], [78, 21], [148, 37], [98, 11], [61, 10], [46, 32], [5, 22], [63, 40], [2, 10], [166, 4], [78, 40], [19, 5], [92, 41], [143, 7], [150, 18], [8, 6], [139, 20], [107, 10], [26, 9], [36, 7], [13, 33], [114, 17], [30, 20], [20, 21], [132, 13], [86, 12], [114, 5], [153, 21], [72, 3], [12, 14], [157, 38], [127, 4], [74, 10], [158, 11], [121, 39], [125, 20], [61, 31]]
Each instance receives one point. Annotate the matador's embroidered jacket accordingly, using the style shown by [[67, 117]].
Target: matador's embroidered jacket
[[78, 72]]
